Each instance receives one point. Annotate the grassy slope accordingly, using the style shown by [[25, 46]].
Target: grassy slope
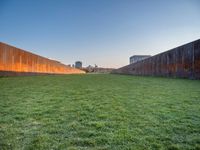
[[99, 112]]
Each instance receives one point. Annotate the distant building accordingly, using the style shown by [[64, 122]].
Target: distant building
[[78, 64], [136, 58], [96, 69]]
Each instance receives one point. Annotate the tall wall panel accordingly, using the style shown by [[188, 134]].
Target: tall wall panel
[[15, 61], [183, 61]]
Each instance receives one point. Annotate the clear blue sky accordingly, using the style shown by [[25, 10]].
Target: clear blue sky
[[102, 32]]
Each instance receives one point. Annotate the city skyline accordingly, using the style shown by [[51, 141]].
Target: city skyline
[[105, 33]]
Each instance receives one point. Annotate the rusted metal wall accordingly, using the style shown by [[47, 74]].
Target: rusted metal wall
[[183, 61], [14, 61]]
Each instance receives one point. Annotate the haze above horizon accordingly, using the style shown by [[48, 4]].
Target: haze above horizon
[[102, 32]]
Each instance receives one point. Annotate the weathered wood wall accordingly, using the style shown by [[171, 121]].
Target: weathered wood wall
[[183, 62], [15, 61]]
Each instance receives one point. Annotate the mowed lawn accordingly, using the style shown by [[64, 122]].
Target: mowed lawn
[[99, 111]]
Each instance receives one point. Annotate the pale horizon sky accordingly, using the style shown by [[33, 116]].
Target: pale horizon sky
[[102, 32]]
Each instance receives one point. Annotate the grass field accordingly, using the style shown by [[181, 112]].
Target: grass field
[[99, 112]]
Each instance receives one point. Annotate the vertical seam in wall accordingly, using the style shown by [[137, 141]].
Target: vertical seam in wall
[[193, 69]]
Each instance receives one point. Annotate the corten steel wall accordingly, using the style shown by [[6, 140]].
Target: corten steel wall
[[14, 61], [183, 62]]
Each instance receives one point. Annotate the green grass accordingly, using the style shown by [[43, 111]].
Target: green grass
[[99, 112]]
